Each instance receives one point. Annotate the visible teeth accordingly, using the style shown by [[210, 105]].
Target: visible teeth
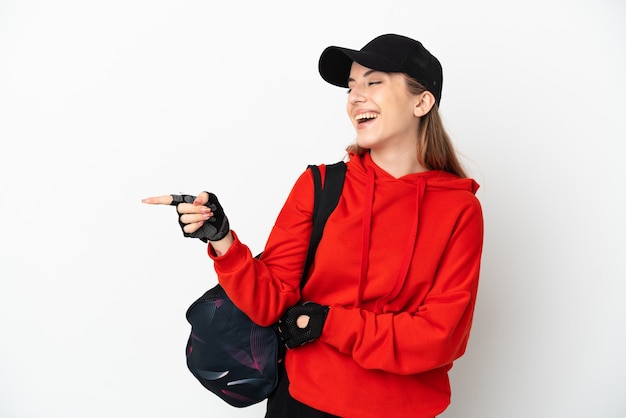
[[362, 116]]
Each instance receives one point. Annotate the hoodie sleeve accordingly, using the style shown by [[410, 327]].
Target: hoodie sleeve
[[437, 332], [264, 288]]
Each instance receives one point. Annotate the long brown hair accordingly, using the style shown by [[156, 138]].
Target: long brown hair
[[434, 146]]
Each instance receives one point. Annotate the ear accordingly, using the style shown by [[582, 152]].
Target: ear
[[424, 102]]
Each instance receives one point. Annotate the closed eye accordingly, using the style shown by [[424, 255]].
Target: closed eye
[[369, 83]]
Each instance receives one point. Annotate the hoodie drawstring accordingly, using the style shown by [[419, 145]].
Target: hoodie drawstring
[[410, 246], [367, 227], [408, 253]]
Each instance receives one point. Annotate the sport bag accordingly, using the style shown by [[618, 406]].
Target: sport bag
[[229, 354]]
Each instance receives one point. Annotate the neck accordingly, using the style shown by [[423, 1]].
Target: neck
[[397, 164]]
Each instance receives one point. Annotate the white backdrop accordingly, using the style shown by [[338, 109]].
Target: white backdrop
[[105, 102]]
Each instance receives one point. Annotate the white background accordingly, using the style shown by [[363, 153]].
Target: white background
[[103, 103]]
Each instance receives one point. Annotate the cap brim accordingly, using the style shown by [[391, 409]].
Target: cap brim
[[335, 64]]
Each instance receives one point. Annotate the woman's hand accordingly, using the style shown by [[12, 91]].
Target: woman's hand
[[199, 217], [302, 324]]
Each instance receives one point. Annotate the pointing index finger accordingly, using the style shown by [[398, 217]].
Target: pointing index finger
[[158, 200]]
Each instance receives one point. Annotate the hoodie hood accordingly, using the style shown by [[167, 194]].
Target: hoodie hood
[[420, 183], [435, 179]]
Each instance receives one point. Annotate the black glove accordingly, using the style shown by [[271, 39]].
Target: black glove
[[215, 228], [294, 336]]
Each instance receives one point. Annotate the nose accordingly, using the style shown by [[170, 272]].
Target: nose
[[356, 95]]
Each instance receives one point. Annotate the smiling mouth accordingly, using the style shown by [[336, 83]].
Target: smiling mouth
[[365, 117]]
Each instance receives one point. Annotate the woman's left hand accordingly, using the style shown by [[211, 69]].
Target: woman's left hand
[[302, 324]]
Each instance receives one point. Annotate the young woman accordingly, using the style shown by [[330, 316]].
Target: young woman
[[392, 289]]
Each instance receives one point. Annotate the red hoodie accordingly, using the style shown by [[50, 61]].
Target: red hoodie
[[398, 264]]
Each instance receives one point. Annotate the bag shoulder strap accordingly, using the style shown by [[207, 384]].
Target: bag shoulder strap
[[326, 197]]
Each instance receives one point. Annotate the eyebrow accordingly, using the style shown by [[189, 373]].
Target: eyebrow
[[367, 74]]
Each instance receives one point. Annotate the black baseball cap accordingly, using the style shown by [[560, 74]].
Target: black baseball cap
[[389, 53]]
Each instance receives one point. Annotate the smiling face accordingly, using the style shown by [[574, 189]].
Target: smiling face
[[383, 112]]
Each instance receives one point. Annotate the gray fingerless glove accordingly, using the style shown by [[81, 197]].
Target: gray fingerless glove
[[294, 336], [213, 229]]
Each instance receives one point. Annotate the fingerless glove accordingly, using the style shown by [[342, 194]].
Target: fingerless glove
[[293, 335], [213, 229]]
